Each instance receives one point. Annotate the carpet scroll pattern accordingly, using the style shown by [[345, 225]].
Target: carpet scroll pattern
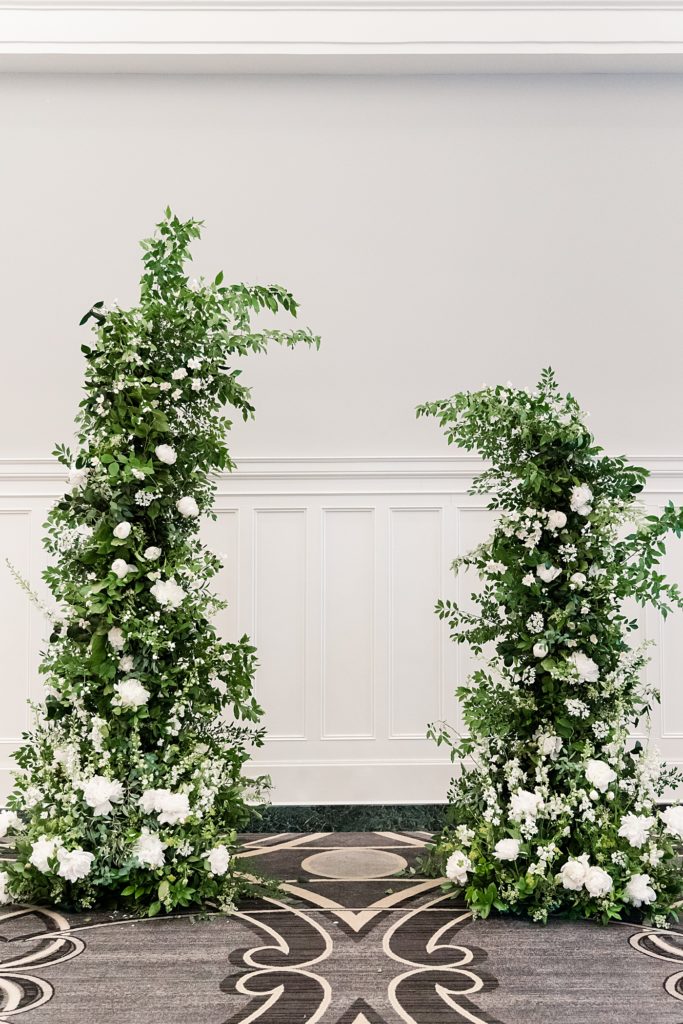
[[352, 939]]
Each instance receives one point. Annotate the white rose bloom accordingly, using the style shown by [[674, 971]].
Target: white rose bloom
[[585, 667], [149, 849], [168, 592], [578, 580], [115, 638], [573, 874], [524, 804], [550, 745], [4, 894], [580, 500], [152, 553], [120, 568], [673, 820], [540, 649], [100, 793], [42, 850], [126, 663], [457, 866], [9, 820], [506, 849], [130, 693], [179, 374], [639, 890], [74, 864], [598, 882], [600, 775], [171, 808], [218, 859], [122, 531], [556, 520], [166, 454], [636, 828], [547, 573], [187, 506], [77, 477]]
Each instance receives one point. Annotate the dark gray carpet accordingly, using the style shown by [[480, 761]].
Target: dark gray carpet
[[348, 944]]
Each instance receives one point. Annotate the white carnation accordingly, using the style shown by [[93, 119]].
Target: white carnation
[[506, 849], [635, 828], [580, 500], [187, 506], [130, 693], [168, 592], [149, 849], [122, 531], [673, 820], [126, 663], [573, 874], [166, 454], [556, 520], [585, 667], [457, 866], [179, 374], [639, 890], [600, 775], [218, 859], [524, 804], [115, 638], [74, 864], [100, 793]]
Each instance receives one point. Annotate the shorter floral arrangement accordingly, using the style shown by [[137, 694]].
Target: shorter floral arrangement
[[554, 808], [131, 787]]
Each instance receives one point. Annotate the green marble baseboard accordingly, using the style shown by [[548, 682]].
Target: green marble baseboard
[[349, 818]]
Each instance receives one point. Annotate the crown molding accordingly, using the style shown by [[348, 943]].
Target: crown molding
[[341, 36]]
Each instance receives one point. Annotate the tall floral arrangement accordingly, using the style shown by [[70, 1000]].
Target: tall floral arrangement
[[130, 786], [554, 809]]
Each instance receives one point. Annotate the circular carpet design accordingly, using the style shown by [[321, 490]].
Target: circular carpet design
[[351, 863]]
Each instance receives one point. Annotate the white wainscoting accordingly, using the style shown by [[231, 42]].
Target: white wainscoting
[[333, 567]]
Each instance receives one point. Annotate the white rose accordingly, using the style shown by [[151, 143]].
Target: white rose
[[165, 454], [524, 804], [506, 849], [74, 864], [9, 820], [635, 828], [179, 374], [218, 859], [540, 649], [42, 850], [76, 478], [585, 667], [639, 890], [547, 573], [115, 638], [152, 553], [187, 506], [149, 849], [598, 882], [170, 807], [600, 775], [580, 500], [122, 531], [168, 592], [4, 894], [457, 866], [556, 520], [550, 745], [130, 693], [573, 874], [673, 820], [120, 568], [100, 793], [577, 581], [126, 663]]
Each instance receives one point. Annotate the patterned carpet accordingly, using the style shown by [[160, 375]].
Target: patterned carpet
[[347, 944]]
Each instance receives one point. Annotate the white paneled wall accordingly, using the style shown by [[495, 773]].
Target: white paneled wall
[[333, 567]]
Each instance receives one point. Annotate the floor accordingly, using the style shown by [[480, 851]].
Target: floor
[[346, 943]]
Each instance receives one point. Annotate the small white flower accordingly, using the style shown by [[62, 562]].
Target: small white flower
[[130, 693], [179, 374], [529, 579], [122, 531], [152, 553], [580, 500], [4, 893], [8, 820], [187, 506], [547, 573], [597, 882], [506, 849], [639, 890], [194, 363], [540, 649], [165, 454], [585, 667], [193, 284], [636, 828], [115, 638], [550, 745], [573, 874], [42, 851], [218, 859], [101, 793], [121, 568], [556, 520], [673, 820], [126, 663], [74, 864], [577, 581], [600, 775], [524, 804], [168, 593], [77, 477], [149, 849], [457, 866]]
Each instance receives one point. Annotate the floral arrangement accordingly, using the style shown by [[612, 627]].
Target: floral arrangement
[[130, 787], [554, 810]]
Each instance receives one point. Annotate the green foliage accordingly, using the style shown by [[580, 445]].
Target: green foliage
[[142, 694], [562, 683]]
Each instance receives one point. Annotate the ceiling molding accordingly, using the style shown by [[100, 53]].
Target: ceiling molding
[[341, 36]]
